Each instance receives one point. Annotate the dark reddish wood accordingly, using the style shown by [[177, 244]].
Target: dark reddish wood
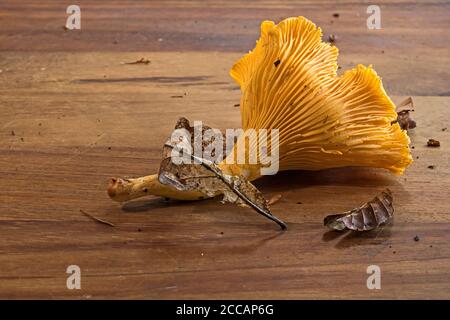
[[410, 52], [79, 116]]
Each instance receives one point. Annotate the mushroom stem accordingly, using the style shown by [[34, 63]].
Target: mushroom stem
[[121, 190]]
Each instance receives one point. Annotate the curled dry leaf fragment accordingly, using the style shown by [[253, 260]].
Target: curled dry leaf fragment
[[404, 118], [367, 217]]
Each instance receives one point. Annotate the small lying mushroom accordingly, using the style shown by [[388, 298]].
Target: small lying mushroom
[[289, 82]]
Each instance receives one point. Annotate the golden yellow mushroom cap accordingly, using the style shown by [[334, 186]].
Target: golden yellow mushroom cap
[[289, 83]]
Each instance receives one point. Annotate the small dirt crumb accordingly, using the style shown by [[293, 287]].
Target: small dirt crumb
[[416, 238], [109, 148], [336, 15], [221, 232], [431, 166], [176, 96], [431, 246], [139, 229], [277, 63], [433, 143], [382, 51], [22, 139], [13, 133], [331, 38], [299, 202], [444, 129], [237, 105], [394, 252]]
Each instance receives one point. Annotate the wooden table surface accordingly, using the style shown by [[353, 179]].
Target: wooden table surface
[[72, 116]]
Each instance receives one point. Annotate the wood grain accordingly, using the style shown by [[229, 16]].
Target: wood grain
[[410, 51], [72, 116]]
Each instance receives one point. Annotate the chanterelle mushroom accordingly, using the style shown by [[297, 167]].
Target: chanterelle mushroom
[[289, 83]]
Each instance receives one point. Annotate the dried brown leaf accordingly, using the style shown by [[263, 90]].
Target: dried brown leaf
[[367, 217], [205, 176]]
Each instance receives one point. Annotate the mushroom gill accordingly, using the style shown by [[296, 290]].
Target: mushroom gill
[[289, 82]]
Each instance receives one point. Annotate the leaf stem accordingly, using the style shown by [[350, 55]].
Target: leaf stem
[[212, 167]]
